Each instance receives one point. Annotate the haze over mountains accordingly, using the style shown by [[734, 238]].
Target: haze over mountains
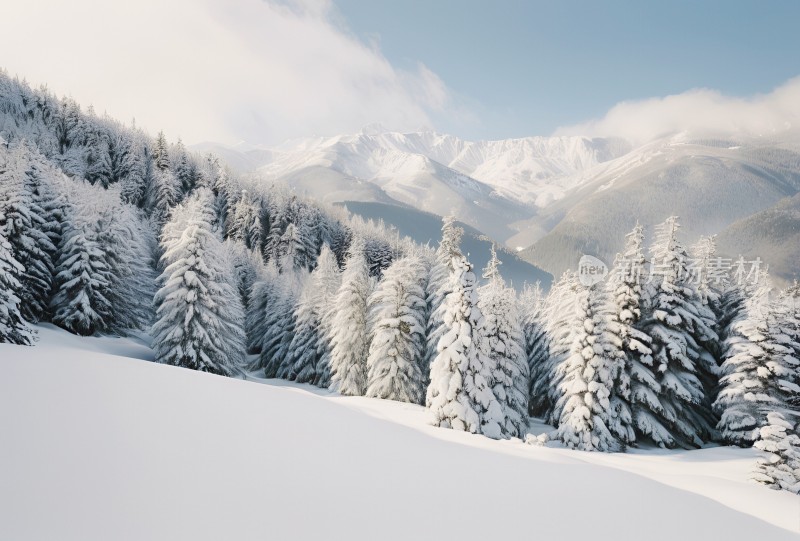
[[555, 198]]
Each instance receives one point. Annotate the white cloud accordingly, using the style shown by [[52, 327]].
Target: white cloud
[[701, 113], [219, 70]]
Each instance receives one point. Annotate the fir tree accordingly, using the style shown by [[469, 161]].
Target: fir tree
[[531, 303], [198, 313], [460, 395], [761, 371], [310, 349], [780, 467], [678, 326], [13, 328], [588, 419], [25, 223], [562, 319], [398, 333], [348, 326], [502, 344], [438, 284], [638, 388], [83, 280]]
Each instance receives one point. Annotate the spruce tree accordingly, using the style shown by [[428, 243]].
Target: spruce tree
[[198, 314], [562, 322], [502, 344], [437, 287], [780, 467], [394, 364], [678, 326], [460, 395], [349, 339], [638, 389], [13, 328], [83, 280], [531, 303], [310, 349], [761, 370], [588, 419], [26, 224]]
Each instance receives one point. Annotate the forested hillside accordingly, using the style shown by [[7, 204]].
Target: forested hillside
[[106, 230]]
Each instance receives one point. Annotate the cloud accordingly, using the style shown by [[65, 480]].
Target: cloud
[[699, 112], [222, 70]]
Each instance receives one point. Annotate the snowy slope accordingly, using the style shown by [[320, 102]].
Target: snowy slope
[[98, 444]]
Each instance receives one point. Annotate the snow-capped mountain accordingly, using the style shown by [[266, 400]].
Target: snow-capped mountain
[[558, 196], [487, 184], [710, 184]]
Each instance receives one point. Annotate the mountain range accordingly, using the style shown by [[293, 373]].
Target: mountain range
[[555, 198]]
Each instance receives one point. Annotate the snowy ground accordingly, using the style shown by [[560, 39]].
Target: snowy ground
[[97, 444]]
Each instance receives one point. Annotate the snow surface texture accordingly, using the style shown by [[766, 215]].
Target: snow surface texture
[[100, 445]]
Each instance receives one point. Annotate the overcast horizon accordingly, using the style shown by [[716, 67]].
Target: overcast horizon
[[268, 71]]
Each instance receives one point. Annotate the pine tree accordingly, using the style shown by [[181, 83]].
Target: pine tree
[[398, 333], [13, 328], [279, 325], [502, 344], [130, 290], [531, 303], [562, 319], [591, 375], [638, 390], [263, 295], [678, 326], [438, 283], [460, 395], [761, 371], [25, 223], [349, 339], [310, 350], [83, 281], [780, 468], [198, 314]]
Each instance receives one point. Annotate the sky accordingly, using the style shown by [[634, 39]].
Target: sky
[[263, 71]]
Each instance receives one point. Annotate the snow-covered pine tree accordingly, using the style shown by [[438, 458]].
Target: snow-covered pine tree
[[98, 161], [503, 345], [638, 388], [263, 295], [348, 325], [780, 467], [590, 380], [278, 323], [678, 325], [310, 348], [438, 282], [531, 306], [164, 194], [13, 328], [761, 371], [460, 395], [397, 325], [245, 223], [122, 239], [26, 224], [83, 280], [198, 313], [562, 321]]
